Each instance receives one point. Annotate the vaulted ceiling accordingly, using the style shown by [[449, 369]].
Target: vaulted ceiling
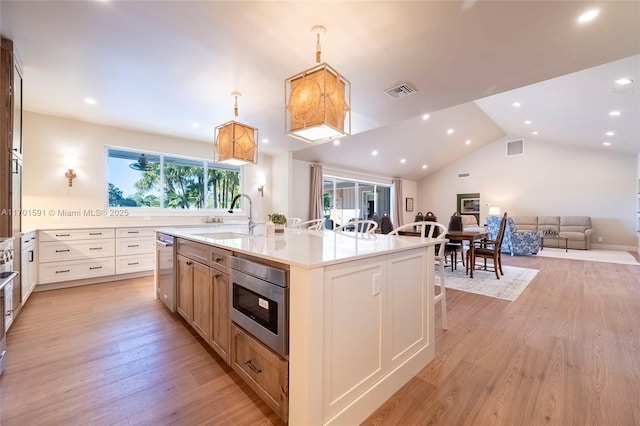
[[162, 66]]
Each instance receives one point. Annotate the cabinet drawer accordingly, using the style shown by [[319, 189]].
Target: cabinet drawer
[[192, 250], [75, 270], [76, 234], [135, 232], [28, 239], [219, 258], [262, 369], [75, 250], [135, 263], [126, 246]]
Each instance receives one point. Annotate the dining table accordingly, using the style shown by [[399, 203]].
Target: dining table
[[468, 235]]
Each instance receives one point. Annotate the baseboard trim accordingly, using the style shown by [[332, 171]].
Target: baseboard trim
[[614, 247]]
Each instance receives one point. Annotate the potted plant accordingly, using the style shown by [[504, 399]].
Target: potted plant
[[279, 220]]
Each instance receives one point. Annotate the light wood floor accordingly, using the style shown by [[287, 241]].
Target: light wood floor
[[566, 352]]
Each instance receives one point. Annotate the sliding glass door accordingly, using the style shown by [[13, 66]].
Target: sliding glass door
[[346, 200]]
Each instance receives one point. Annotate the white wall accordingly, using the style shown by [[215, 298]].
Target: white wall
[[280, 184], [409, 190], [48, 139], [549, 179], [301, 189]]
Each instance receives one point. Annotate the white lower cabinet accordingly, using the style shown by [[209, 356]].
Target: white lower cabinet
[[135, 250], [75, 254], [75, 270]]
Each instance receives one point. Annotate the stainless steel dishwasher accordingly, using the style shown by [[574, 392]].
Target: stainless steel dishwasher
[[165, 272]]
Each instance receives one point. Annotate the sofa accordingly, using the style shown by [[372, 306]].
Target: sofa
[[470, 223], [577, 229]]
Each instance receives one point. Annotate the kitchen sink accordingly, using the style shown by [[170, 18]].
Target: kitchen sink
[[223, 235]]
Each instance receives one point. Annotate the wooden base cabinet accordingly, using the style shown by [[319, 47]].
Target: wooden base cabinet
[[194, 295], [263, 370], [220, 314]]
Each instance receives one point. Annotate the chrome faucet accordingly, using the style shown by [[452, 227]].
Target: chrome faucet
[[252, 224]]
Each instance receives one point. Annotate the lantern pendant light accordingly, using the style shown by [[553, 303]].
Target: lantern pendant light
[[317, 101], [236, 143]]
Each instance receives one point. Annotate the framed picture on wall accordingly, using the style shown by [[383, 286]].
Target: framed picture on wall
[[409, 204], [470, 206]]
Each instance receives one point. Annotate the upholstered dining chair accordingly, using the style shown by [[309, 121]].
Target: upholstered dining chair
[[358, 226], [490, 249], [429, 229], [312, 225]]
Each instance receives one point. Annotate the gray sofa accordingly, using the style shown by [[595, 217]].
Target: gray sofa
[[577, 229]]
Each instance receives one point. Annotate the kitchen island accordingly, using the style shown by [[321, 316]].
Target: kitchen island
[[361, 316]]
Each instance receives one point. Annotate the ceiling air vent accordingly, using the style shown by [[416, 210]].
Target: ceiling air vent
[[463, 175], [515, 148], [400, 91]]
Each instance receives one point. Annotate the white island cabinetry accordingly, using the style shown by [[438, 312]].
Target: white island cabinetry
[[361, 321]]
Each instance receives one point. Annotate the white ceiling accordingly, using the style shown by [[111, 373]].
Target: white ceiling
[[160, 66]]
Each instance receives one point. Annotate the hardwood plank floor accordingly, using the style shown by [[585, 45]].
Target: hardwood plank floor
[[566, 352]]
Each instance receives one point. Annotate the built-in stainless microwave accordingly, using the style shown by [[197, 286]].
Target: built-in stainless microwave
[[259, 298]]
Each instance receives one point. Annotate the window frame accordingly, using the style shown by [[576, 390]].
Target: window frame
[[171, 211]]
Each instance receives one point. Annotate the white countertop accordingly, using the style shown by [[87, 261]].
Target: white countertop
[[307, 249]]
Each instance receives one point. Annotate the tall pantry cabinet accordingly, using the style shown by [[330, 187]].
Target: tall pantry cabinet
[[11, 155]]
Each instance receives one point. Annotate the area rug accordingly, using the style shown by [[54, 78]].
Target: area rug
[[508, 287], [609, 256]]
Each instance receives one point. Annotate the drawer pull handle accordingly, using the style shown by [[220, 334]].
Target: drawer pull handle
[[133, 245], [95, 248], [62, 235], [218, 259], [216, 276], [63, 271], [133, 263], [189, 262], [133, 232], [62, 251], [95, 233], [253, 367], [95, 267]]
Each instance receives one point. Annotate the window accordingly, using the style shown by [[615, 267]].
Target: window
[[346, 199], [145, 180]]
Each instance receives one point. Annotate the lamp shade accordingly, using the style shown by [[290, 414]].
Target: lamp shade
[[494, 211], [317, 104], [236, 144]]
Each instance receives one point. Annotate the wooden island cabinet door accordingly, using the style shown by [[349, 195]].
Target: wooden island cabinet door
[[185, 288], [201, 319], [220, 323]]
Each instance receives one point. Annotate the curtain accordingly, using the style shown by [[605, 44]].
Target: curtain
[[397, 205], [316, 206]]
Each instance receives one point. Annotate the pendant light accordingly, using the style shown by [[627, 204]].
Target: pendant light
[[317, 101], [236, 143]]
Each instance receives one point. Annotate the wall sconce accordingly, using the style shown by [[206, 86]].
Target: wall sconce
[[69, 162], [261, 190]]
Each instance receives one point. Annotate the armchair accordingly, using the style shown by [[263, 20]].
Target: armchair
[[519, 241]]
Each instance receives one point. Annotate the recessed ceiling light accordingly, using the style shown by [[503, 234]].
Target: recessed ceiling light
[[265, 140], [516, 104], [403, 160], [534, 133], [89, 101], [450, 131], [336, 142], [527, 122], [614, 113], [425, 117], [610, 133], [374, 153], [468, 142], [589, 15], [624, 81], [424, 166], [606, 143], [195, 125]]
